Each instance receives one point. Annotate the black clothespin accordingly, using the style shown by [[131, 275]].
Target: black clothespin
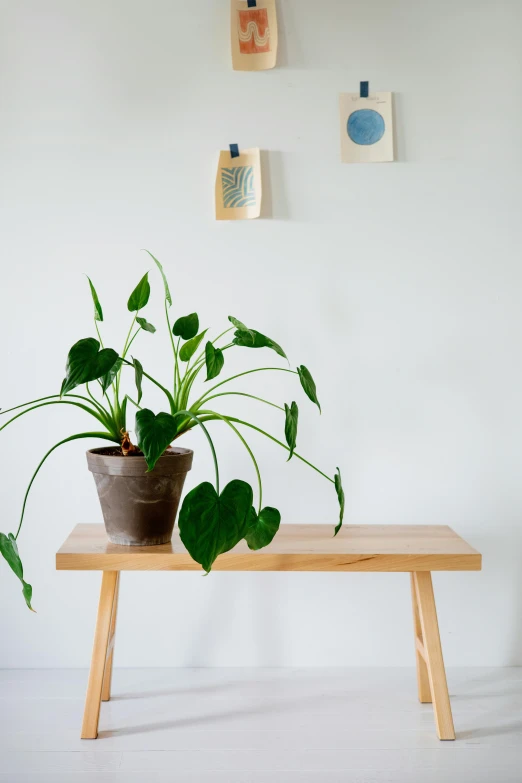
[[234, 150], [364, 90]]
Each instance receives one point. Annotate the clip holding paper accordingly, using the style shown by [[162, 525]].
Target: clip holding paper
[[364, 89], [251, 3], [234, 150]]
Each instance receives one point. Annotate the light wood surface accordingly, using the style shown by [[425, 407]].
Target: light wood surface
[[295, 548], [107, 677], [99, 655], [423, 683], [430, 649]]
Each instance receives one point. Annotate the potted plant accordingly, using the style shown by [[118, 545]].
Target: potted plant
[[140, 484]]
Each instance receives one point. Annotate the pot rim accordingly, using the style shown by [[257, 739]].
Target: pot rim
[[179, 460]]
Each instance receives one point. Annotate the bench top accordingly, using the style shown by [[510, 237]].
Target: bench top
[[295, 548]]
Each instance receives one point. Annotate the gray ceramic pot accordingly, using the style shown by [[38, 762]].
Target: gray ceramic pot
[[139, 508]]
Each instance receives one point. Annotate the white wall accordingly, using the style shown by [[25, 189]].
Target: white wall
[[398, 285]]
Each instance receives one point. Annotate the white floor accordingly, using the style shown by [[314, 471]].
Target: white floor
[[251, 725]]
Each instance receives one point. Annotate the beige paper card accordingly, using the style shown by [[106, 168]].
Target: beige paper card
[[366, 127], [253, 35], [238, 185]]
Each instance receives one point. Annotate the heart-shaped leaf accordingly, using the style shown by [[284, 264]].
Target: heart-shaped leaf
[[140, 296], [145, 325], [86, 362], [138, 377], [98, 312], [214, 360], [210, 524], [165, 283], [186, 327], [262, 528], [291, 417], [154, 434], [340, 496], [189, 348], [252, 339], [308, 384], [9, 550], [108, 378]]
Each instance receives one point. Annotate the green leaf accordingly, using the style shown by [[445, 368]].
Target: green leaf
[[291, 417], [252, 339], [262, 528], [108, 378], [145, 325], [140, 296], [138, 377], [9, 550], [308, 384], [189, 349], [86, 362], [186, 327], [239, 325], [165, 283], [154, 434], [214, 360], [98, 312], [210, 524], [340, 495]]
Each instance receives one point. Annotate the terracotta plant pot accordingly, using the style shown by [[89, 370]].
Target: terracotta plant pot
[[139, 508]]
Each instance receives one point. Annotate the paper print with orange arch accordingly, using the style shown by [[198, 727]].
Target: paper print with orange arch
[[253, 35]]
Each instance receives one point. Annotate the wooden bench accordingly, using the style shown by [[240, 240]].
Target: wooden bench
[[415, 549]]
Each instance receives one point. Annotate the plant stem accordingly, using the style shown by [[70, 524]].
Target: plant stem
[[244, 394], [163, 389], [98, 332], [247, 447], [239, 375], [210, 442], [104, 435], [57, 402], [258, 429]]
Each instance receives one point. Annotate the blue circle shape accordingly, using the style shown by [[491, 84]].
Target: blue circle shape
[[365, 126]]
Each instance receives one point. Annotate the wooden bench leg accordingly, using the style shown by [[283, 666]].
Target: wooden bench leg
[[429, 648], [423, 683], [107, 677], [99, 655]]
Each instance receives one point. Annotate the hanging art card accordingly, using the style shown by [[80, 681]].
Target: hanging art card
[[238, 185], [253, 34], [366, 128]]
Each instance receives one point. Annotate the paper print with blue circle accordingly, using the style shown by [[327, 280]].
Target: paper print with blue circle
[[365, 126]]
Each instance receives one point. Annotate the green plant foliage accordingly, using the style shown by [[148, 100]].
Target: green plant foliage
[[291, 417], [140, 296], [108, 379], [138, 377], [154, 433], [168, 297], [98, 312], [214, 360], [210, 524], [263, 527], [251, 339], [308, 384], [186, 327], [145, 325], [86, 362], [340, 496], [189, 348], [9, 550]]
